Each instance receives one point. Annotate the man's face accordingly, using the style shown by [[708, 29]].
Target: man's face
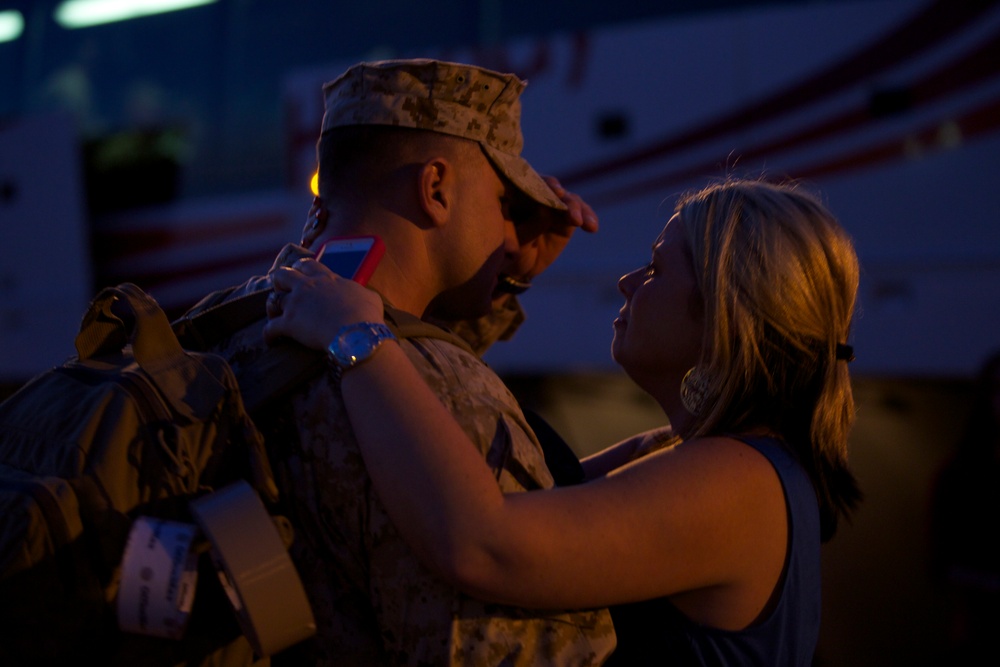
[[531, 221], [481, 239]]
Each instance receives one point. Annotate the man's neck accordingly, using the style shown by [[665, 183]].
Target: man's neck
[[391, 282], [407, 276]]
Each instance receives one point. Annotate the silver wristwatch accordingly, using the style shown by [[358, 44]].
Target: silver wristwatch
[[355, 343]]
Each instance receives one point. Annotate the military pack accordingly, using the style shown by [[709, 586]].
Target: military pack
[[135, 425]]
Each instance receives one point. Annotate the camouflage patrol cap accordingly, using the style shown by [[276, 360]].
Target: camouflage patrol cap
[[451, 98]]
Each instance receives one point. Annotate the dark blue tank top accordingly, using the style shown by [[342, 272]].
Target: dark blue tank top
[[654, 632]]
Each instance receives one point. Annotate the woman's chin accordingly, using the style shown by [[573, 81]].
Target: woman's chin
[[616, 349]]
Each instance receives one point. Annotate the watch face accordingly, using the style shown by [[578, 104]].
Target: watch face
[[358, 342], [358, 338]]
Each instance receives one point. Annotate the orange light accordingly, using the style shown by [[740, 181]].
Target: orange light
[[314, 183]]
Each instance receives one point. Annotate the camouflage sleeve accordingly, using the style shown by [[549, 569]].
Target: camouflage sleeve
[[475, 632]]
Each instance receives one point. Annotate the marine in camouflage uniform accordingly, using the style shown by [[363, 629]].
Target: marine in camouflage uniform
[[374, 603]]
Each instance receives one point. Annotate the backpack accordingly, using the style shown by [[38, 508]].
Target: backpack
[[133, 425]]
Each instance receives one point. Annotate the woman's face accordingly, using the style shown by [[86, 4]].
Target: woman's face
[[659, 333]]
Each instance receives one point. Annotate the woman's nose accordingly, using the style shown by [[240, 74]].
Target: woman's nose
[[626, 284]]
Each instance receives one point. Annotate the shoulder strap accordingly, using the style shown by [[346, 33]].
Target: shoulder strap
[[284, 365], [287, 364], [208, 327], [560, 458], [407, 325]]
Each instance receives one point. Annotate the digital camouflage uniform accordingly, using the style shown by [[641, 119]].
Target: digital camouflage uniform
[[374, 603]]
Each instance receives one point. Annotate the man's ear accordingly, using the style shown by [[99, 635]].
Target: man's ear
[[437, 188]]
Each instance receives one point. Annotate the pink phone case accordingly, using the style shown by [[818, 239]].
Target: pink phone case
[[354, 257]]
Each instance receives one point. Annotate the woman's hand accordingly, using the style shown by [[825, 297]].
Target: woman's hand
[[310, 304], [315, 222]]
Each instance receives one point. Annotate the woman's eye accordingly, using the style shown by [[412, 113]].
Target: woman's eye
[[650, 270]]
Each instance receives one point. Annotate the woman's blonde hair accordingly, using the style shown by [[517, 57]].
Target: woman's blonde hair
[[779, 278]]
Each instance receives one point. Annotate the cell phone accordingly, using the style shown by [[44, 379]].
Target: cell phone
[[353, 257]]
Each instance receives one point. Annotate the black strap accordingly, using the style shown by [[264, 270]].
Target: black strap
[[560, 458], [210, 326]]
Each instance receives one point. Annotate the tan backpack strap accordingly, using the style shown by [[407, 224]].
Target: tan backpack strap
[[407, 325]]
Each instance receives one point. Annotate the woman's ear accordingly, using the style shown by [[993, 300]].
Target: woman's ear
[[437, 188]]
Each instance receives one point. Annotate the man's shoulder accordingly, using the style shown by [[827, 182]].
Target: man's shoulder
[[454, 372], [445, 360]]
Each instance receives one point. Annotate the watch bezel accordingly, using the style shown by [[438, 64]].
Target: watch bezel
[[348, 355]]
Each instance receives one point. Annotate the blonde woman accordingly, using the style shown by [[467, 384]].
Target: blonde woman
[[703, 537]]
